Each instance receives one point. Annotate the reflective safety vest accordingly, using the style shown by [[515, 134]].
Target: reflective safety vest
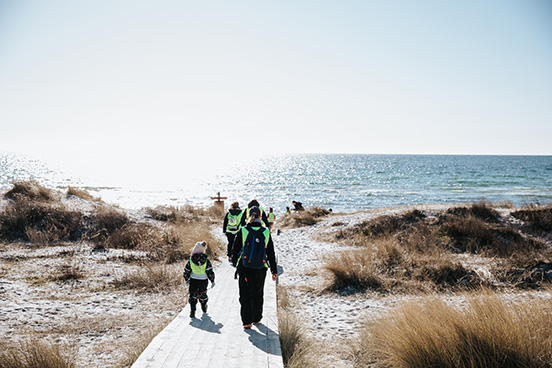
[[271, 217], [233, 223], [198, 270]]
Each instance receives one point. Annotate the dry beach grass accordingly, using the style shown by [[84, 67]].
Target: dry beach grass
[[88, 284]]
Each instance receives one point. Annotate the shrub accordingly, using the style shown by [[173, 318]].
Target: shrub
[[29, 190], [388, 265], [298, 219], [487, 333], [105, 221], [151, 278], [539, 218], [317, 212], [481, 210], [32, 220]]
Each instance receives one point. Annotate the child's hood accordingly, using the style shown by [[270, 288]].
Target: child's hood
[[199, 258]]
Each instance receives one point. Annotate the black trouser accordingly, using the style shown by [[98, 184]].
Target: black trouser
[[251, 294], [230, 238], [197, 291]]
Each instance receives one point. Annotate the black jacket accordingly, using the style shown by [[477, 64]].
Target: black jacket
[[238, 245]]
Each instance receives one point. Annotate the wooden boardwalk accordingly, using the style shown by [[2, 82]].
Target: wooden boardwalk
[[217, 339]]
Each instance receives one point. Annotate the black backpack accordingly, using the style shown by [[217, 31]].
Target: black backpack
[[254, 247]]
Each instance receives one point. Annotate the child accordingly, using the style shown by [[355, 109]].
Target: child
[[197, 272]]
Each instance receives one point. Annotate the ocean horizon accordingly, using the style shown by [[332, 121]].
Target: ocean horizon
[[342, 182]]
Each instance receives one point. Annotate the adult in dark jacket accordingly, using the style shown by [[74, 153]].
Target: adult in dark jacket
[[246, 216], [251, 280], [231, 225]]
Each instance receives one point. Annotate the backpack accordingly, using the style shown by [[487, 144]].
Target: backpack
[[254, 247], [233, 222]]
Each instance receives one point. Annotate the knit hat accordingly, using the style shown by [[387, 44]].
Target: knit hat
[[199, 247]]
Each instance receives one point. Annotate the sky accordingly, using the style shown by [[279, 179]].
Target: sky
[[168, 81]]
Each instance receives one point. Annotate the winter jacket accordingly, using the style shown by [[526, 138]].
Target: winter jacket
[[199, 259], [238, 245]]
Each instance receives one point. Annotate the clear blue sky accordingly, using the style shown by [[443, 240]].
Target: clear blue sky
[[164, 79]]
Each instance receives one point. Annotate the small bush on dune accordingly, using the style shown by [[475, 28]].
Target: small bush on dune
[[134, 236], [29, 190], [384, 225], [28, 220], [82, 194], [488, 333], [481, 210], [34, 353], [298, 219], [387, 265], [184, 214], [151, 278], [317, 212], [539, 218], [526, 270], [105, 221], [473, 235]]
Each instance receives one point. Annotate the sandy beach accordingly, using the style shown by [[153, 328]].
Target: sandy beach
[[102, 326]]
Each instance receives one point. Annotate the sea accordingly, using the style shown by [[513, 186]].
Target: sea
[[342, 182]]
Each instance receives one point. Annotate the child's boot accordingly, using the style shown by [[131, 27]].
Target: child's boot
[[204, 307], [192, 309]]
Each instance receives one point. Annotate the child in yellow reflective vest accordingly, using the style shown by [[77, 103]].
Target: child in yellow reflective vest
[[197, 272]]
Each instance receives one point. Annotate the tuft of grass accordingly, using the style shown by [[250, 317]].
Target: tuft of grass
[[33, 353], [29, 190], [82, 194], [68, 271], [105, 221], [539, 218], [487, 333], [150, 278], [298, 219], [317, 212], [297, 350]]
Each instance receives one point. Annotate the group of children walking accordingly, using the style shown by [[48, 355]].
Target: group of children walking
[[250, 249]]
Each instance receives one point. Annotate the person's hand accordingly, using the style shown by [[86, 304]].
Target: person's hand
[[274, 276], [212, 284]]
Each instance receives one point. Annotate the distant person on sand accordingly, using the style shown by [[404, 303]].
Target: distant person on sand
[[253, 253], [298, 206], [246, 216], [271, 217], [197, 272], [231, 225], [287, 213]]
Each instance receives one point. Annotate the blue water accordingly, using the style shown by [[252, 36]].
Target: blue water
[[341, 182]]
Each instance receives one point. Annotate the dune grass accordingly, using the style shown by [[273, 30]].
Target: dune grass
[[298, 350], [417, 251], [33, 353], [487, 332], [536, 217], [151, 277]]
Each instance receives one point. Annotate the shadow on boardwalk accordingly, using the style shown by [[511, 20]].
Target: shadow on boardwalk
[[217, 339]]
